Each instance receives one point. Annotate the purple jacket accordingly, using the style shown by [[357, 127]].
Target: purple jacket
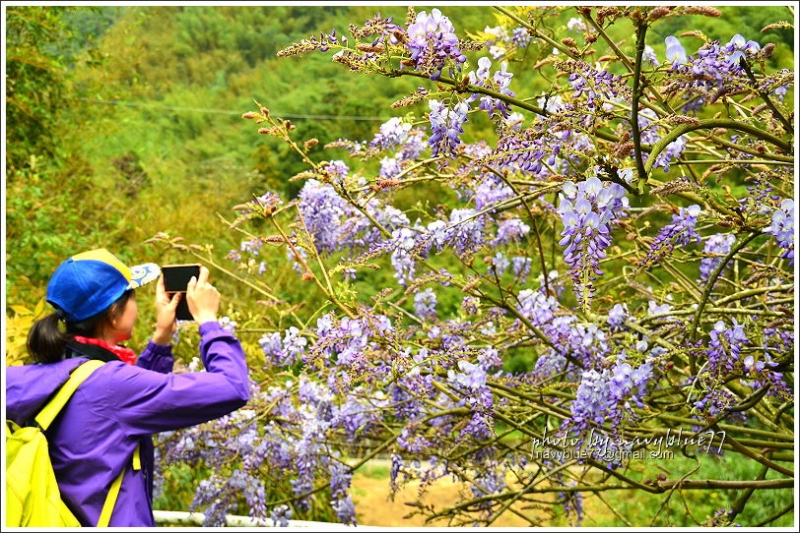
[[120, 406]]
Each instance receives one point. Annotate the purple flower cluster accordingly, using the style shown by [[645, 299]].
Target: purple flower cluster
[[335, 224], [281, 514], [446, 126], [341, 477], [711, 69], [470, 381], [509, 230], [607, 396], [325, 214], [304, 413], [618, 315], [531, 151], [214, 444], [501, 43], [649, 55], [715, 249], [537, 307], [782, 228], [407, 390], [714, 63], [760, 371], [572, 501], [425, 304], [548, 366], [649, 129], [433, 42], [740, 49], [715, 402], [399, 135], [589, 211], [521, 265], [394, 132], [655, 309], [404, 254], [499, 83], [680, 231], [490, 190], [596, 86], [584, 342], [412, 439], [465, 232], [577, 25], [725, 346], [283, 353], [490, 479], [352, 346]]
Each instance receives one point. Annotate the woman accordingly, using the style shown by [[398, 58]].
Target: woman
[[129, 398]]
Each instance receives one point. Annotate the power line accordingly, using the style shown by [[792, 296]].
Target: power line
[[229, 112]]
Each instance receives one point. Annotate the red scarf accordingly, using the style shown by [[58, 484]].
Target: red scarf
[[126, 355]]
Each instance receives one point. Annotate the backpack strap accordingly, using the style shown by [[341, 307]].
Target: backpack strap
[[54, 406], [113, 492]]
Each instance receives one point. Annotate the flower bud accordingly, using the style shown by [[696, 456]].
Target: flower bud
[[659, 12]]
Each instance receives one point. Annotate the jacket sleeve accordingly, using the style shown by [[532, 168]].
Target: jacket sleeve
[[156, 357], [146, 402]]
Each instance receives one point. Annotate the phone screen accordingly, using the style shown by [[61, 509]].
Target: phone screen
[[176, 278]]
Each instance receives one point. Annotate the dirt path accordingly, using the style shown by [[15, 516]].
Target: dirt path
[[375, 508]]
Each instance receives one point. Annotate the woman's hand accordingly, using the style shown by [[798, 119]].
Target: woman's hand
[[202, 298], [165, 314]]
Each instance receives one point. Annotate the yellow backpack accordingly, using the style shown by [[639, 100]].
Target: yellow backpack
[[32, 495]]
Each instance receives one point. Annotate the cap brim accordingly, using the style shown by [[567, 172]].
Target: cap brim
[[143, 274]]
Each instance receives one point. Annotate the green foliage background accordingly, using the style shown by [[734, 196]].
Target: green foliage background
[[125, 122]]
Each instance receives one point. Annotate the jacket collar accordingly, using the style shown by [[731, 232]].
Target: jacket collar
[[97, 349]]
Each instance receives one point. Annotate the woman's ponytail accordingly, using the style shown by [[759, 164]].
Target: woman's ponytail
[[46, 341]]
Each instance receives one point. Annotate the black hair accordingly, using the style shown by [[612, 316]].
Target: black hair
[[46, 340]]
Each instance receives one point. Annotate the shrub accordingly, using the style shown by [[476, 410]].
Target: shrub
[[602, 284]]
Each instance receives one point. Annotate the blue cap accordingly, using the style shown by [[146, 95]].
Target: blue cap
[[87, 284]]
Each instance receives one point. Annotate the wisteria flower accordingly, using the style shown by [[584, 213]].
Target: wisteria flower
[[676, 53]]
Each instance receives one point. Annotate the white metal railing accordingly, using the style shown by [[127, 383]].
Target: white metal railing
[[181, 518]]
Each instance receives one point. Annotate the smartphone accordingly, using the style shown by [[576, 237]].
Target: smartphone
[[176, 278]]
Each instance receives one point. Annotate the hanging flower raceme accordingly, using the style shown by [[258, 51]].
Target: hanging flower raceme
[[725, 346], [782, 228], [603, 400], [716, 248], [680, 231], [446, 126], [499, 82], [595, 86], [470, 382], [589, 211], [432, 42]]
